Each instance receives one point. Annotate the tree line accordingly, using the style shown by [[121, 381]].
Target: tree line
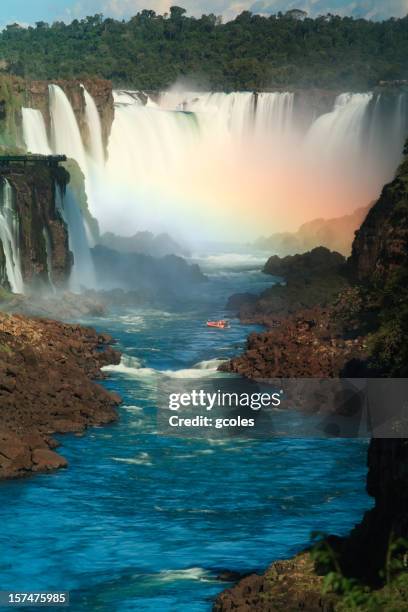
[[251, 52]]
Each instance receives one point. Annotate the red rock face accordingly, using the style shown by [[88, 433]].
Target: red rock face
[[46, 386]]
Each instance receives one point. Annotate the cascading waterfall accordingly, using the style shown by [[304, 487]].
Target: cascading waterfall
[[339, 133], [274, 113], [48, 250], [95, 130], [387, 131], [65, 134], [83, 273], [9, 237], [66, 139], [335, 143], [230, 165], [35, 132]]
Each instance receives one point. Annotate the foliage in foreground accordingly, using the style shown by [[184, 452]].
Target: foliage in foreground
[[352, 595]]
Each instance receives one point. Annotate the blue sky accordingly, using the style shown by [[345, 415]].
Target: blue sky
[[29, 11]]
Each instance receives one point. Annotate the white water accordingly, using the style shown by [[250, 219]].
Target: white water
[[34, 132], [230, 166], [335, 142], [83, 273], [234, 166], [65, 138], [9, 237], [65, 135], [95, 130], [48, 250]]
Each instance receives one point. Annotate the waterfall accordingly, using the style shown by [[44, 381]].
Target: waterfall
[[83, 274], [231, 165], [65, 135], [274, 113], [95, 129], [48, 250], [339, 133], [34, 132], [9, 237]]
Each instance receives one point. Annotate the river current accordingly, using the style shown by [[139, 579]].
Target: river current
[[140, 521]]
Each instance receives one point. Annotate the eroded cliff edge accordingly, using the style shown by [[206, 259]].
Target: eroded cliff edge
[[47, 371], [47, 368], [373, 308]]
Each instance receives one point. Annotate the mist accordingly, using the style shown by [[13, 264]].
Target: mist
[[232, 166]]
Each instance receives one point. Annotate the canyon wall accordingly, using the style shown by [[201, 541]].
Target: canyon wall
[[381, 244]]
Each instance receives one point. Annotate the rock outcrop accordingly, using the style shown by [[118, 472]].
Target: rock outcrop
[[303, 345], [41, 233], [46, 386], [285, 586], [312, 279], [381, 244], [379, 266]]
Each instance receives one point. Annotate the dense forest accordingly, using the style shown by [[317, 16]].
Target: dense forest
[[152, 51]]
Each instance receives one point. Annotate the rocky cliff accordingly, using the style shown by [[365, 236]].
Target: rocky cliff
[[46, 374], [380, 263], [379, 267], [39, 231], [381, 244]]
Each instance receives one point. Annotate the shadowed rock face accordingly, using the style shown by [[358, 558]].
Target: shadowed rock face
[[381, 244], [41, 226], [311, 280], [380, 252], [46, 374]]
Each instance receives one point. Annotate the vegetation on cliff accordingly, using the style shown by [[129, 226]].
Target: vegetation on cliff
[[380, 263], [11, 101], [365, 571], [151, 51], [41, 233]]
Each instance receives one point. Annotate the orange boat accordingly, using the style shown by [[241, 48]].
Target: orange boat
[[221, 324]]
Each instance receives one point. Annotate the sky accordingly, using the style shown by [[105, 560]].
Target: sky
[[29, 11]]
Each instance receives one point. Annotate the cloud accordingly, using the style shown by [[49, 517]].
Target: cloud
[[372, 9]]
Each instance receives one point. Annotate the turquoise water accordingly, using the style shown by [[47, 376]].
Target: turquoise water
[[144, 522]]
